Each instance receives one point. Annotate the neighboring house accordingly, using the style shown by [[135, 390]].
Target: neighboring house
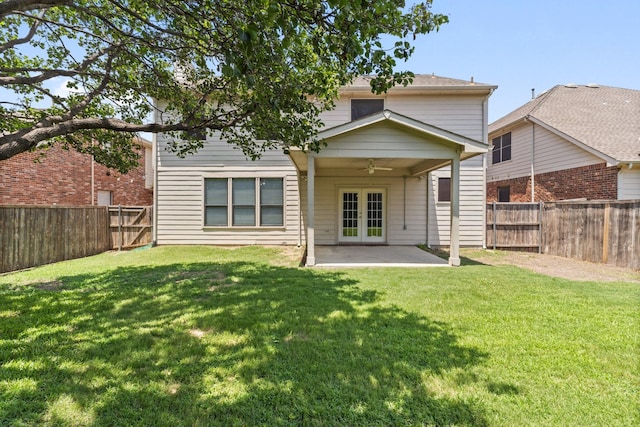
[[402, 168], [65, 177], [571, 142]]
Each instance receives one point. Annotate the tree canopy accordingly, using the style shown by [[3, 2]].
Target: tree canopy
[[258, 71]]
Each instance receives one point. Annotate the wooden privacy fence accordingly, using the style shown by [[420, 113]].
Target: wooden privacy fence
[[598, 231], [37, 235], [130, 226]]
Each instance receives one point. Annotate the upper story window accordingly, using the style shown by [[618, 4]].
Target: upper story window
[[199, 134], [365, 107], [502, 148]]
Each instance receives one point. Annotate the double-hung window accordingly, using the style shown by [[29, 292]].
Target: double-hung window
[[502, 148], [244, 202]]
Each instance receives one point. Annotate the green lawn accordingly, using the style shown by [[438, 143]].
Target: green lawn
[[192, 336]]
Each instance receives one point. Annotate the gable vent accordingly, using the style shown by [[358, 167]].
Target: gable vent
[[593, 85], [571, 85]]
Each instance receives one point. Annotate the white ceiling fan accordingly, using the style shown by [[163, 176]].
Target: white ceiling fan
[[371, 167]]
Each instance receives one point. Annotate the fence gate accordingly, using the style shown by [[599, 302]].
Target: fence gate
[[131, 226], [515, 226]]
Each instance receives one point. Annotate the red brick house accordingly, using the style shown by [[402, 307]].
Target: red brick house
[[570, 142], [62, 177]]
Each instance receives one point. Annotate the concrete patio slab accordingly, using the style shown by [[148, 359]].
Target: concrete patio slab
[[376, 256]]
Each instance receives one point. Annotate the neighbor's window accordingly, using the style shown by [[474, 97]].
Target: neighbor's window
[[365, 107], [504, 194], [444, 189], [244, 202], [502, 148], [105, 198]]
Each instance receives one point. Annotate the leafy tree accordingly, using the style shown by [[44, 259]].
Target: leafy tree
[[257, 71]]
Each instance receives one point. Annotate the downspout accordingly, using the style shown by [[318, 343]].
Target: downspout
[[533, 162], [427, 206], [154, 154], [404, 202], [93, 182], [299, 209], [485, 138]]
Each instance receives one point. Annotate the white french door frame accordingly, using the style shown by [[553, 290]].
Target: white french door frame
[[362, 215]]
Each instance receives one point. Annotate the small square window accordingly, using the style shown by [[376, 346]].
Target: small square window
[[504, 194]]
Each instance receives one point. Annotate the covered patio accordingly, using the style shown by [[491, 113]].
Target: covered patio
[[354, 189], [376, 256]]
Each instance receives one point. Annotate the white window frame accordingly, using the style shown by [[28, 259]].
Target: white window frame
[[257, 204], [498, 146]]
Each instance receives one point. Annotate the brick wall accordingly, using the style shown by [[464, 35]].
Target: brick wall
[[593, 182], [64, 178]]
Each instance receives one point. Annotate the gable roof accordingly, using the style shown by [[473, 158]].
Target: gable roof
[[602, 119], [467, 145]]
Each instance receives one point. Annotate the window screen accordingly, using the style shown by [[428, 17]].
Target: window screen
[[365, 107], [444, 189], [244, 201], [271, 201], [504, 194], [216, 199], [501, 148]]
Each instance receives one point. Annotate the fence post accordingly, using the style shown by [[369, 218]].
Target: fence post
[[605, 233], [495, 228], [541, 204], [119, 227]]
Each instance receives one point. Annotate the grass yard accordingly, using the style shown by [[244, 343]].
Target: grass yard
[[189, 336]]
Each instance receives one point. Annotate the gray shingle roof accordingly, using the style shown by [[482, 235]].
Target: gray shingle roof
[[605, 118], [424, 80]]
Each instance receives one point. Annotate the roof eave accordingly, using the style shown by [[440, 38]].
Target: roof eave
[[452, 89]]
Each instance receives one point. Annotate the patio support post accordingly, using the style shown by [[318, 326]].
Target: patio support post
[[311, 240], [454, 244]]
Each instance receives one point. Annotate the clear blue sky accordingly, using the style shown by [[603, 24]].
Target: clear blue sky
[[519, 45]]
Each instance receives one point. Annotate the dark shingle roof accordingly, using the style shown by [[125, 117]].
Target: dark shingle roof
[[607, 119]]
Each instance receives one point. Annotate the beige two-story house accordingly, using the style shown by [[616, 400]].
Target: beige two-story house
[[402, 168]]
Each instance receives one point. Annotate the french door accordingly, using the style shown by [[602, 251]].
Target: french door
[[362, 215]]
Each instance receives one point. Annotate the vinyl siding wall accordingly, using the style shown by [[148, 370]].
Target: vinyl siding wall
[[629, 183], [180, 193], [552, 153], [457, 113], [472, 203], [328, 208]]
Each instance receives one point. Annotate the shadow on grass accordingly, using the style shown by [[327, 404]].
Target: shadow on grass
[[444, 254], [223, 344]]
